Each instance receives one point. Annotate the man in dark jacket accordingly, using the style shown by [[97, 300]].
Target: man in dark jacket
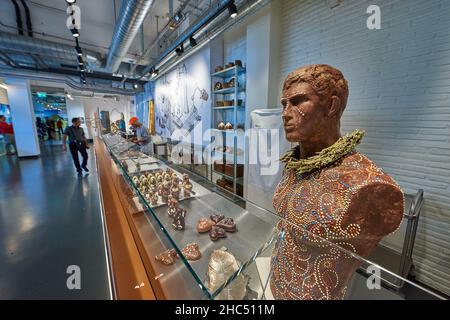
[[77, 143]]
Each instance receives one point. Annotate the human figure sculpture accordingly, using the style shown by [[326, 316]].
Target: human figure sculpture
[[336, 204]]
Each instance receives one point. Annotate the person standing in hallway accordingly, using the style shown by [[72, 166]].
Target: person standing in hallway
[[50, 129], [77, 143], [59, 126], [7, 131], [40, 126]]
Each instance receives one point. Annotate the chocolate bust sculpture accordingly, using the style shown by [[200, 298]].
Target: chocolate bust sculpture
[[330, 196]]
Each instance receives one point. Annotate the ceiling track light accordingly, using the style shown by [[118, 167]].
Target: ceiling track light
[[180, 50], [192, 41], [75, 32], [70, 2], [79, 51], [154, 72], [232, 10]]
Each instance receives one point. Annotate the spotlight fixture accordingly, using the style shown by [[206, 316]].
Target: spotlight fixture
[[82, 68], [180, 50], [71, 1], [232, 10], [192, 41], [155, 72], [80, 61], [69, 96], [176, 20], [75, 32], [84, 81], [135, 85], [79, 51]]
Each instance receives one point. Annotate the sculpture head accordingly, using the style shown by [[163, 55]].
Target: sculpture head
[[314, 98]]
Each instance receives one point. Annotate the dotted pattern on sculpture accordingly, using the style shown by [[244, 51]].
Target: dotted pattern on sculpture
[[314, 205]]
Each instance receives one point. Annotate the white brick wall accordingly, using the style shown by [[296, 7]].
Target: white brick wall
[[235, 45], [399, 80]]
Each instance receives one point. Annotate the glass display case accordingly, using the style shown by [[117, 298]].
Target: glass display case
[[209, 243]]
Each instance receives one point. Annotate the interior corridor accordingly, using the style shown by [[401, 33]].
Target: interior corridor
[[50, 219]]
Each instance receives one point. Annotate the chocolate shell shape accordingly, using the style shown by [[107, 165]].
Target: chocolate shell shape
[[204, 225], [192, 251], [167, 257], [227, 224], [222, 265], [217, 217], [216, 233]]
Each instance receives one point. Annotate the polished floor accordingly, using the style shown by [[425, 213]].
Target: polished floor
[[50, 219]]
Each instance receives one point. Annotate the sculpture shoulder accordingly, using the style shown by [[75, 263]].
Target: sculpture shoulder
[[376, 201], [358, 170]]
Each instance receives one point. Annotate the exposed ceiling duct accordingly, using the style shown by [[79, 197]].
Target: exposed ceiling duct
[[131, 16], [33, 75], [13, 42], [218, 8], [206, 35]]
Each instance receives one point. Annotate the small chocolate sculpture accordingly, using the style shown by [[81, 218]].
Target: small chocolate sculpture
[[154, 199], [330, 195], [217, 217], [227, 224], [222, 265], [175, 191], [204, 225], [187, 189], [167, 257], [192, 252], [179, 219], [165, 194], [216, 233]]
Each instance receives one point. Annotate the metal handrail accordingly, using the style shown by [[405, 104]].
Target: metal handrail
[[411, 229]]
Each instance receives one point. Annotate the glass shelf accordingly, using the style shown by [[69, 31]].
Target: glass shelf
[[229, 90], [208, 200], [229, 72], [256, 245], [240, 108]]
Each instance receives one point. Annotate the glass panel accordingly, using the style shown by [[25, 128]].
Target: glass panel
[[306, 266], [254, 227], [266, 257]]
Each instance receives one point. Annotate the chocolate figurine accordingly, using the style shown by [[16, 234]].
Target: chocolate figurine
[[175, 191], [187, 188], [165, 194], [330, 192], [154, 199], [179, 219]]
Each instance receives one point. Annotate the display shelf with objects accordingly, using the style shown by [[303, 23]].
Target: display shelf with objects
[[229, 115], [199, 221], [198, 240]]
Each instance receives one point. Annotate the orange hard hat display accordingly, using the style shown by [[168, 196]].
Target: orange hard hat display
[[133, 120]]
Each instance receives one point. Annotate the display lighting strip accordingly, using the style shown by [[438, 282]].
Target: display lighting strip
[[76, 35]]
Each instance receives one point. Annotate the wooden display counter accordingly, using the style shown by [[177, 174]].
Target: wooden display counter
[[133, 241], [129, 276]]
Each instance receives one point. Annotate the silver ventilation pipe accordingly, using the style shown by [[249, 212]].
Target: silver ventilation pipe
[[132, 14], [23, 74], [249, 8], [24, 44], [218, 8]]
